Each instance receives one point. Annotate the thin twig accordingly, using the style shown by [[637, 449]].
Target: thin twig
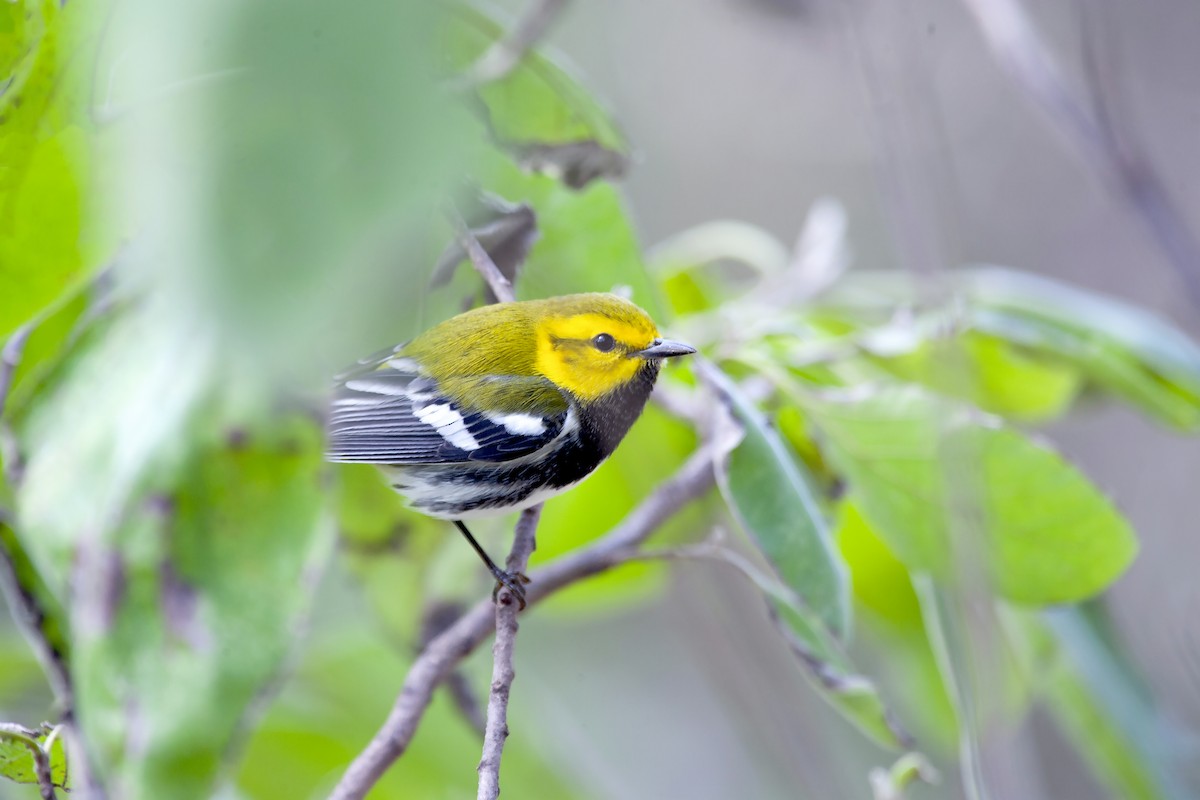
[[439, 659], [524, 541], [45, 778], [1019, 47], [503, 673], [436, 619], [506, 53], [500, 285]]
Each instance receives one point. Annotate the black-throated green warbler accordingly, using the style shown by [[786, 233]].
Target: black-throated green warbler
[[501, 407]]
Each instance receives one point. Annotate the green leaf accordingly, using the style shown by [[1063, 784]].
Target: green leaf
[[292, 192], [772, 501], [992, 373], [46, 154], [50, 339], [537, 113], [855, 697], [702, 267], [827, 667], [585, 239], [880, 582], [586, 243], [189, 609], [17, 748], [1114, 346], [1051, 536], [1128, 350]]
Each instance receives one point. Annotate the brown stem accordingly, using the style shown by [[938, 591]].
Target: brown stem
[[503, 673], [500, 285], [507, 52], [444, 653]]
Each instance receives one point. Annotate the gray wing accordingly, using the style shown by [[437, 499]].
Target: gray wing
[[393, 416]]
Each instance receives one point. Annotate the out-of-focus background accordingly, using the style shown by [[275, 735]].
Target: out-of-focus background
[[754, 110]]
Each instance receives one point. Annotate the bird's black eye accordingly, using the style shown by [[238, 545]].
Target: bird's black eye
[[604, 342]]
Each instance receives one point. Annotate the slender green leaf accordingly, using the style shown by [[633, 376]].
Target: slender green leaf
[[1051, 536], [826, 664], [771, 499]]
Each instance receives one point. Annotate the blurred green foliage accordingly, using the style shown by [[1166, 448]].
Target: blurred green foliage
[[206, 210]]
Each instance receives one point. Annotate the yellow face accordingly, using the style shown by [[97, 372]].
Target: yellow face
[[592, 353]]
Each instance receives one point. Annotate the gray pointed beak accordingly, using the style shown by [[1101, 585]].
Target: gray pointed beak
[[665, 348]]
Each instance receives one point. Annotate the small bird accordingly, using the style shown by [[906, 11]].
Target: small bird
[[500, 407]]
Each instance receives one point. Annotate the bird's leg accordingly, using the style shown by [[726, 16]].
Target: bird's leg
[[513, 581]]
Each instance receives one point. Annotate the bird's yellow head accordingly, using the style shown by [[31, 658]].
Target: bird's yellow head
[[591, 344], [586, 344]]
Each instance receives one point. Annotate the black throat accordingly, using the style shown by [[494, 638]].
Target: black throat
[[604, 422]]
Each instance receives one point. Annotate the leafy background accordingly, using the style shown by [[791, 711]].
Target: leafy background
[[258, 187]]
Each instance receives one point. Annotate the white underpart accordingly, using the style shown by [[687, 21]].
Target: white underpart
[[449, 423], [520, 424], [421, 489]]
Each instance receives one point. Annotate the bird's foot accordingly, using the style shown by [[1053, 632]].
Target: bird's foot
[[514, 582]]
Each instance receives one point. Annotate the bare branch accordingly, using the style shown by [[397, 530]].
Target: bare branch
[[524, 542], [41, 767], [1018, 46], [503, 672], [436, 619], [506, 53], [444, 653], [500, 285]]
